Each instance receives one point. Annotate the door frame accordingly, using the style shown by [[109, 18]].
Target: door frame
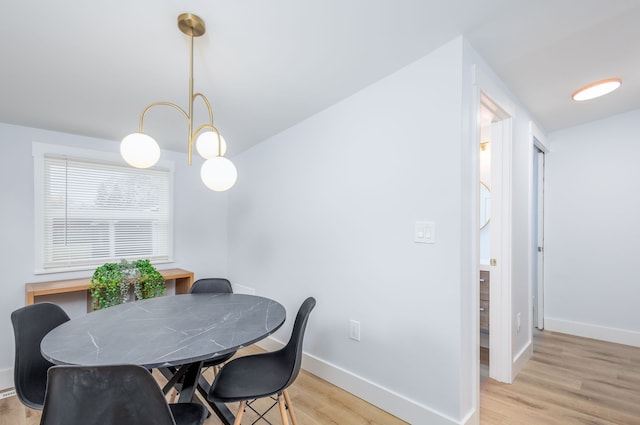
[[538, 143], [485, 91]]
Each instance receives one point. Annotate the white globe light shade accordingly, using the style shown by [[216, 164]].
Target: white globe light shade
[[140, 150], [218, 173], [207, 144]]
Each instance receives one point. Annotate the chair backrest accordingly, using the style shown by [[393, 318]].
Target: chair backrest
[[104, 395], [30, 325], [211, 285], [292, 352]]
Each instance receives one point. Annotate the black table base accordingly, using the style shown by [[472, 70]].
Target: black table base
[[183, 380]]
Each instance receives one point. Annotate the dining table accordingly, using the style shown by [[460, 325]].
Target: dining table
[[173, 334]]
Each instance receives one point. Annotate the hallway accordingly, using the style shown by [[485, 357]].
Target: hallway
[[568, 381]]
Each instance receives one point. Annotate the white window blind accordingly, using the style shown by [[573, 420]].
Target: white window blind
[[95, 212]]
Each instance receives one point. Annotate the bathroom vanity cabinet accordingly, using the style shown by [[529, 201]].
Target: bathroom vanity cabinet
[[484, 301]]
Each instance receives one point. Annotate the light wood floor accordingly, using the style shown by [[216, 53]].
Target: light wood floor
[[569, 381], [316, 402]]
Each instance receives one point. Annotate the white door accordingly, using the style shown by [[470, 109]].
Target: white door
[[500, 294]]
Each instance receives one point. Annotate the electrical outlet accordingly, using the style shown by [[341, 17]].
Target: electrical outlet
[[518, 318], [354, 330]]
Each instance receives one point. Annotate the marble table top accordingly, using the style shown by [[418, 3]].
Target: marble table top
[[164, 331]]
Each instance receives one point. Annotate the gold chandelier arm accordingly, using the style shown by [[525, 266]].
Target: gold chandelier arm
[[173, 105], [207, 104], [202, 127], [212, 128], [177, 108]]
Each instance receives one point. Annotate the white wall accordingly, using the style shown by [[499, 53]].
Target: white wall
[[592, 230], [327, 209], [200, 220]]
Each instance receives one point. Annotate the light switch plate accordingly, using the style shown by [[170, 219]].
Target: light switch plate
[[425, 232], [354, 330]]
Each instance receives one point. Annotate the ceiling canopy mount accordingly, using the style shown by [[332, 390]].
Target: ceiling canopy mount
[[191, 25]]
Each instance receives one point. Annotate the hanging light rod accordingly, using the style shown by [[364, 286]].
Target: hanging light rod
[[142, 151]]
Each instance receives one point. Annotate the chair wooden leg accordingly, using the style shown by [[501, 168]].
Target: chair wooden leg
[[294, 420], [283, 410], [243, 405]]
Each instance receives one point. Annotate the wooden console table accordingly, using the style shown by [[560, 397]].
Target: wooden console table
[[183, 278]]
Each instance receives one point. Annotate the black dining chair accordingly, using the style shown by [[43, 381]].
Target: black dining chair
[[248, 378], [30, 325], [112, 395], [213, 285]]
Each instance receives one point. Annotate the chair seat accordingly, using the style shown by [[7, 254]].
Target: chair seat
[[237, 379], [215, 361], [188, 413]]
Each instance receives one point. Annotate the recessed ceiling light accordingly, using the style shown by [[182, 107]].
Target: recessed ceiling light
[[597, 89]]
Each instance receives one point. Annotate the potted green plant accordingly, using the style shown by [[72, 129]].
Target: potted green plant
[[150, 283], [111, 282], [107, 287]]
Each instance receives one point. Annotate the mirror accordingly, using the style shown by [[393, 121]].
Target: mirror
[[485, 205]]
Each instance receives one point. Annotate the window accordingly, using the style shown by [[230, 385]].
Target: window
[[91, 208]]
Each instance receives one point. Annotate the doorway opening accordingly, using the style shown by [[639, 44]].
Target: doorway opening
[[484, 220]]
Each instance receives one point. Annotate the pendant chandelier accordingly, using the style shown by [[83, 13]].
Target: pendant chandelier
[[142, 151]]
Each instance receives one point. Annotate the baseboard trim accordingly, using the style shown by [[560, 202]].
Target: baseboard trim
[[6, 379], [387, 400], [618, 336], [521, 359], [472, 418]]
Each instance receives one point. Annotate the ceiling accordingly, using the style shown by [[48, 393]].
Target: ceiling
[[89, 68]]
